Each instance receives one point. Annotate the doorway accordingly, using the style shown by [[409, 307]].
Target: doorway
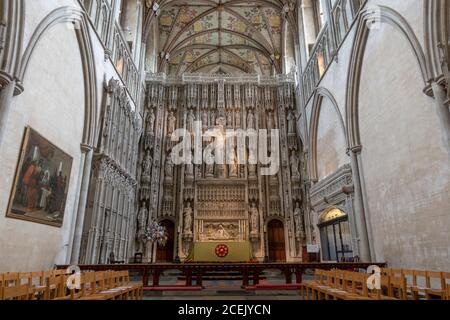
[[276, 243], [165, 254]]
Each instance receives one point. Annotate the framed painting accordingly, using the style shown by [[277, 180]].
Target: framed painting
[[41, 181]]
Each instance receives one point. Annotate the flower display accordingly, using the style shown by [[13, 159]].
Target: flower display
[[156, 233]]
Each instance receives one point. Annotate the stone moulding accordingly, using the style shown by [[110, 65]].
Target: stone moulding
[[338, 183]]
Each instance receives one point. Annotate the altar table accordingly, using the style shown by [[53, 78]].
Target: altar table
[[221, 251]]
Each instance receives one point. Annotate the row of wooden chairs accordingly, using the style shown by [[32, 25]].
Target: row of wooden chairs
[[349, 285], [57, 285], [423, 284], [394, 285]]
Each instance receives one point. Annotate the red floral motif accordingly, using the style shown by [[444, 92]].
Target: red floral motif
[[222, 250]]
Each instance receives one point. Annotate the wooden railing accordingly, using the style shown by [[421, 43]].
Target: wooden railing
[[196, 271]]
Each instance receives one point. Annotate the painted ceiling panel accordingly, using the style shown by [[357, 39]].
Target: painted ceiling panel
[[221, 36]]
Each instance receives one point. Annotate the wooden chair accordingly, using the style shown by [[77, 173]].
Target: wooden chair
[[9, 279], [448, 292], [437, 285], [409, 277], [385, 290], [136, 288], [420, 284], [17, 292], [398, 288], [54, 287], [38, 282]]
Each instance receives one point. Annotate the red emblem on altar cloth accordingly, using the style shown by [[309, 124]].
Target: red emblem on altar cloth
[[221, 250]]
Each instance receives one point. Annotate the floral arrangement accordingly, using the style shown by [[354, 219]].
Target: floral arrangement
[[156, 233]]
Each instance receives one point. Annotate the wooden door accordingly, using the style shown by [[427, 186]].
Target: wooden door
[[165, 254], [277, 249]]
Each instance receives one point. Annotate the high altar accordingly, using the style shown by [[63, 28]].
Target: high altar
[[231, 204]]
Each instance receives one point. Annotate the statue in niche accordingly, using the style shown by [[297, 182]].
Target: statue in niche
[[252, 170], [190, 121], [291, 123], [229, 119], [233, 164], [254, 218], [270, 123], [142, 218], [188, 218], [169, 166], [250, 120], [189, 170], [294, 166], [210, 166], [298, 219], [213, 117], [151, 122], [171, 123], [237, 119], [205, 119], [147, 164], [198, 171]]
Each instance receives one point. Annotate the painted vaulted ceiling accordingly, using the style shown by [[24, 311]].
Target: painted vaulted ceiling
[[220, 36]]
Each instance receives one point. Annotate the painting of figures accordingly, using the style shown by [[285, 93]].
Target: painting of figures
[[41, 182]]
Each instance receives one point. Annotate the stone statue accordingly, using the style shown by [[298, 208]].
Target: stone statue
[[205, 119], [270, 123], [294, 166], [298, 219], [189, 170], [213, 117], [151, 122], [169, 166], [171, 123], [147, 164], [188, 218], [190, 121], [252, 170], [142, 217], [229, 119], [250, 120], [291, 123], [233, 165], [237, 119], [254, 218]]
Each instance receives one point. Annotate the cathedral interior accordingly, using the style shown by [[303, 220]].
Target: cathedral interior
[[174, 132]]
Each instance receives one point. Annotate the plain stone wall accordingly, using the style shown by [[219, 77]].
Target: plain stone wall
[[405, 161]]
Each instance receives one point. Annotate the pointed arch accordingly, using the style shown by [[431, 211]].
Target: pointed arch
[[319, 95], [383, 15], [80, 20]]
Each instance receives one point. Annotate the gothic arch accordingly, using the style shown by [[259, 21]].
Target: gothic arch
[[437, 33], [320, 94], [11, 39], [81, 25], [382, 15]]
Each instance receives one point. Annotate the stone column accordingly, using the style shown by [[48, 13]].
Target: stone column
[[442, 110], [87, 150], [360, 218], [6, 95]]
